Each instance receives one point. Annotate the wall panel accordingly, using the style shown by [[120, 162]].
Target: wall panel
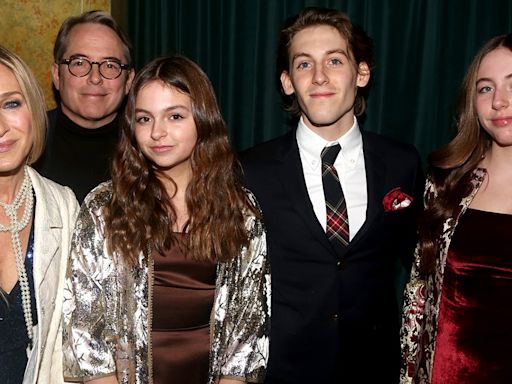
[[29, 27]]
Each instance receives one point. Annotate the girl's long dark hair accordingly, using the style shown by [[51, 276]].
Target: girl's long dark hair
[[140, 215]]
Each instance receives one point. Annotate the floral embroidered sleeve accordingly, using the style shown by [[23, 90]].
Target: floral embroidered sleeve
[[413, 320], [241, 315], [412, 325], [89, 306]]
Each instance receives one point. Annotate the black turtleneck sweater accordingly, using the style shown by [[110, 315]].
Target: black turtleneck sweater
[[75, 156]]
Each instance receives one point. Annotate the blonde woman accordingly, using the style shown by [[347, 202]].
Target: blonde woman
[[36, 221]]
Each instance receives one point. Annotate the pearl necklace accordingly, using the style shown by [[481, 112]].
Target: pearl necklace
[[24, 195]]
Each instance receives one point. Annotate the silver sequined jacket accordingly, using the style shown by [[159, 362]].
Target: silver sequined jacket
[[107, 307]]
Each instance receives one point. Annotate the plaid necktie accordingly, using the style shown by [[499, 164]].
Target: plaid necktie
[[337, 218]]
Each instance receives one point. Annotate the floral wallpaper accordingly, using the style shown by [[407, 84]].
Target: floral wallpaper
[[29, 28]]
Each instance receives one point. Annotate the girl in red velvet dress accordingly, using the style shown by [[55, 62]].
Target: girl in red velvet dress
[[457, 318]]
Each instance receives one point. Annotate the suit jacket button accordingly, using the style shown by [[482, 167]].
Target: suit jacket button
[[340, 264], [335, 317]]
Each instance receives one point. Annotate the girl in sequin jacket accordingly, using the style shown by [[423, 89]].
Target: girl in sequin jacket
[[174, 177]]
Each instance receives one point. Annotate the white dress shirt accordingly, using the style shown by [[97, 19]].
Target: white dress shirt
[[350, 167]]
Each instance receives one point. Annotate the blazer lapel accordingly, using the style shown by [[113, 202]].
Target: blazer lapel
[[375, 172], [292, 178], [47, 224]]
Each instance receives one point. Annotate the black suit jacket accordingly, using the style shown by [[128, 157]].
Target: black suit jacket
[[335, 315]]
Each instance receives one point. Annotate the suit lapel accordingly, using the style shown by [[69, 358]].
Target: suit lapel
[[375, 174], [292, 178]]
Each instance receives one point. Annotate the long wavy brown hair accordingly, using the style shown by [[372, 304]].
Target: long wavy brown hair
[[451, 166], [140, 214]]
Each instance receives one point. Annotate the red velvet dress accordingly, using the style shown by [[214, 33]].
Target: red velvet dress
[[182, 303], [474, 338]]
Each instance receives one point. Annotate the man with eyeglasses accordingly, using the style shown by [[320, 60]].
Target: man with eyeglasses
[[92, 74]]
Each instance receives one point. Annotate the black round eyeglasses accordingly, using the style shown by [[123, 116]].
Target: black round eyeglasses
[[80, 67]]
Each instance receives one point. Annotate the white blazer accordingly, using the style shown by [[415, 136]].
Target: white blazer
[[56, 209]]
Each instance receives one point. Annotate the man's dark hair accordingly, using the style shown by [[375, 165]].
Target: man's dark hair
[[93, 17]]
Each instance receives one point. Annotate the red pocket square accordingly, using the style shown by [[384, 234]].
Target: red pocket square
[[396, 200]]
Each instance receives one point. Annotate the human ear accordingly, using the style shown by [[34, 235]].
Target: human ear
[[129, 81], [55, 75], [286, 83], [363, 74]]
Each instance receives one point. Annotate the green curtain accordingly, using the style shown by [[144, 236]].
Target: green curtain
[[422, 48]]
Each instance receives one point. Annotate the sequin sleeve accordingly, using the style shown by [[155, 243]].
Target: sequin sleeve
[[89, 299], [241, 315]]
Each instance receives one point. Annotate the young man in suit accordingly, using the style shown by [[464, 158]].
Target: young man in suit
[[338, 225]]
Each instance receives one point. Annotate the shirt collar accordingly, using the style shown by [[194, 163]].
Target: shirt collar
[[311, 144]]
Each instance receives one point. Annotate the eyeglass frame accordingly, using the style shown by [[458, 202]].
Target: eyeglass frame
[[99, 63]]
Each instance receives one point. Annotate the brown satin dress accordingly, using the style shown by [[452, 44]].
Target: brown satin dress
[[182, 303], [474, 338]]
